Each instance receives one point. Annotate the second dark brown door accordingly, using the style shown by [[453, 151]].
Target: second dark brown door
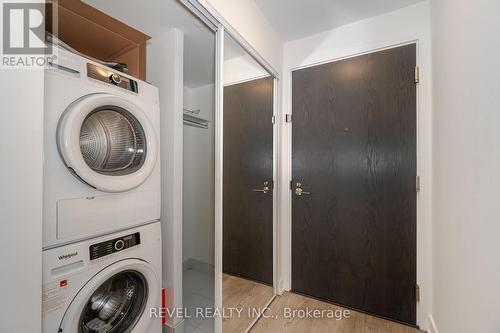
[[354, 150], [248, 180]]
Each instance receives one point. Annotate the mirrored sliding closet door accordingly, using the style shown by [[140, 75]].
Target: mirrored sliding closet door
[[248, 188]]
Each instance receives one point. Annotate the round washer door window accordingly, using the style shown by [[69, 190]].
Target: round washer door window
[[116, 305], [118, 299], [108, 142]]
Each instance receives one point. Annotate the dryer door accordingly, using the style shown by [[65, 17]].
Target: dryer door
[[108, 142], [117, 299]]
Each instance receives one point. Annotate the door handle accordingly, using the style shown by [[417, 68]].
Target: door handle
[[265, 189], [299, 191]]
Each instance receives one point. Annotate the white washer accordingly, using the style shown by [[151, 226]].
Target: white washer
[[106, 284], [101, 151]]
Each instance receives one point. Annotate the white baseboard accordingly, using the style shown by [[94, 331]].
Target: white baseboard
[[432, 325]]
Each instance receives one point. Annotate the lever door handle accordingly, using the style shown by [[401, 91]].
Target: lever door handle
[[299, 192], [264, 190]]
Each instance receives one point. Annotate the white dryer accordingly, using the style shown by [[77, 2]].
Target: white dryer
[[101, 151], [106, 284]]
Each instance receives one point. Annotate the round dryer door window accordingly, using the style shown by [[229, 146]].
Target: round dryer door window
[[112, 141], [108, 142], [116, 305]]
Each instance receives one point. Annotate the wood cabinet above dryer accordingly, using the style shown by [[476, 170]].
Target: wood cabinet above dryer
[[98, 35]]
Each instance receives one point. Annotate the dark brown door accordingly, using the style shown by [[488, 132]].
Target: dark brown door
[[354, 150], [248, 180]]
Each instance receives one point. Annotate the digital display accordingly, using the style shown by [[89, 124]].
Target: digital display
[[115, 245]]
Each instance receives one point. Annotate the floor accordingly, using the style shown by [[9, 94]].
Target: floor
[[198, 292], [355, 323], [244, 294], [238, 293]]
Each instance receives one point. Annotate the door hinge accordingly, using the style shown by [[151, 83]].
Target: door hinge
[[288, 118], [417, 293], [291, 184], [417, 184], [273, 119], [417, 74]]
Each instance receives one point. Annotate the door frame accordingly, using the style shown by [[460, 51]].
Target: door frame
[[424, 171], [215, 21]]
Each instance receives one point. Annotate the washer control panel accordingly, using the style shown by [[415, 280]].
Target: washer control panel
[[107, 76], [114, 245]]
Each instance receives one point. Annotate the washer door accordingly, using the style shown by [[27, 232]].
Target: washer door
[[108, 142], [116, 300]]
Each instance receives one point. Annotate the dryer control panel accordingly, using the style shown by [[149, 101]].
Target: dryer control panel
[[115, 245], [105, 75]]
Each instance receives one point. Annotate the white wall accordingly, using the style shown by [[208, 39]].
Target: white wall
[[198, 175], [241, 69], [21, 179], [165, 71], [401, 26], [466, 91], [21, 201], [247, 18]]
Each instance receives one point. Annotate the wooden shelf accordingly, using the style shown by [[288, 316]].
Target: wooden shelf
[[96, 34]]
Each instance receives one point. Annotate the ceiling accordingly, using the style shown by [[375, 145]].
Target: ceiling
[[293, 19], [154, 16]]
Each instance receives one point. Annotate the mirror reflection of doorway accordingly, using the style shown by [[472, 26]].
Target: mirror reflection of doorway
[[248, 187]]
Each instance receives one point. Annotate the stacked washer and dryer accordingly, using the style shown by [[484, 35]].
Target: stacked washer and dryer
[[101, 229]]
